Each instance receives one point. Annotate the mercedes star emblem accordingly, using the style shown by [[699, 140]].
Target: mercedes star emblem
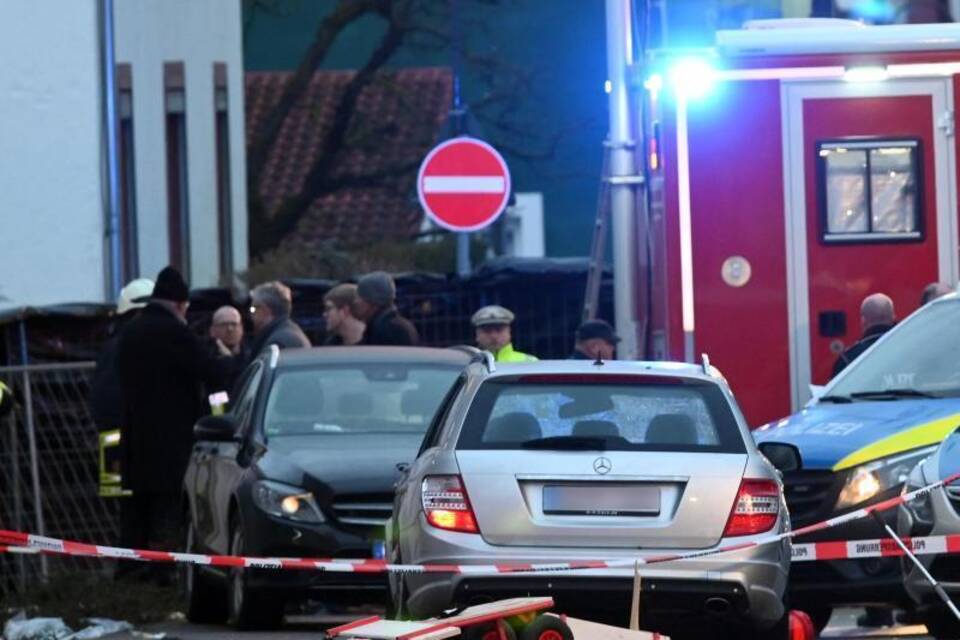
[[602, 466]]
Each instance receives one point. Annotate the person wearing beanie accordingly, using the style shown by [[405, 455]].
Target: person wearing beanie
[[493, 333], [271, 304], [343, 327], [163, 369], [596, 340], [375, 305]]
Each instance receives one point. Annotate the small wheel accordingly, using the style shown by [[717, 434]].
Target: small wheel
[[547, 627], [205, 597], [488, 632]]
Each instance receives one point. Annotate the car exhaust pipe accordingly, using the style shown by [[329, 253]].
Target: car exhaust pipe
[[717, 606]]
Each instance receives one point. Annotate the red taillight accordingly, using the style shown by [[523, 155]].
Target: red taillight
[[446, 505], [756, 508]]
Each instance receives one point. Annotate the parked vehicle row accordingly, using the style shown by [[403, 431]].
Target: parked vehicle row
[[438, 456]]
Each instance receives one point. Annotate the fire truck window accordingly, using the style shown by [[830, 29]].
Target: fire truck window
[[846, 190], [892, 190], [868, 191]]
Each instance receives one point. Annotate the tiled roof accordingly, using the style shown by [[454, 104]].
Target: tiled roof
[[398, 118]]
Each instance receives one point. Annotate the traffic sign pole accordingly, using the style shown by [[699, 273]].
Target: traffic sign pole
[[463, 254]]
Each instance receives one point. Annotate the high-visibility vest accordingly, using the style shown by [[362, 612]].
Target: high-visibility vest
[[509, 354]]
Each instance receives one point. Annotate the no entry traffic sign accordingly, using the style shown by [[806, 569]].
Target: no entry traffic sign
[[464, 184]]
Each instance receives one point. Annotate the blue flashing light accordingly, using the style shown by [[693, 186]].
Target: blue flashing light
[[654, 84], [692, 78], [874, 11]]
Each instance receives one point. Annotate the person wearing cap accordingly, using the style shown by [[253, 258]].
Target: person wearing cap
[[493, 333], [343, 327], [106, 399], [271, 304], [596, 340], [376, 306], [163, 369]]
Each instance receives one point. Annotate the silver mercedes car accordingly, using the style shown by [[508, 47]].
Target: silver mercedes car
[[552, 462], [934, 514]]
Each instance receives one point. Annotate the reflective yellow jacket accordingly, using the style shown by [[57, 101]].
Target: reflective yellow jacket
[[509, 354]]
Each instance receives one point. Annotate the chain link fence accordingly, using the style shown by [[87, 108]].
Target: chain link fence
[[49, 470]]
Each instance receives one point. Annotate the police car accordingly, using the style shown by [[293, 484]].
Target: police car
[[858, 441]]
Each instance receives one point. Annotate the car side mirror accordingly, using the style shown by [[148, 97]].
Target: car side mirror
[[216, 429], [785, 457]]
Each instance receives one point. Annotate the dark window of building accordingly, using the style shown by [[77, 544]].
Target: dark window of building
[[870, 190], [178, 210], [224, 208], [128, 175]]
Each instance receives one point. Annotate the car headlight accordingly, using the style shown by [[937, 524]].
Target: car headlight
[[286, 501], [921, 507], [873, 478]]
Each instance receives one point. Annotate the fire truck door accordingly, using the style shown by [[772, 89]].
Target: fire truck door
[[869, 175]]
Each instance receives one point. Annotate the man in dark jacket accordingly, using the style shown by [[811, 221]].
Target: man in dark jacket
[[106, 397], [876, 317], [163, 368], [595, 340], [376, 295], [271, 304]]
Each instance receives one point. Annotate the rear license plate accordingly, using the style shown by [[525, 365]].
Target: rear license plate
[[601, 499]]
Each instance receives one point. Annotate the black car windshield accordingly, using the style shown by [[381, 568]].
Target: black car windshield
[[919, 358], [601, 416], [362, 398]]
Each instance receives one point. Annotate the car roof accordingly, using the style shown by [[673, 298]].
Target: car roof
[[366, 354], [618, 367]]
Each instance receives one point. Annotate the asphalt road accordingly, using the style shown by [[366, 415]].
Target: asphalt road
[[842, 626]]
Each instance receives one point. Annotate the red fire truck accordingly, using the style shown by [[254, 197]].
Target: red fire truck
[[799, 167]]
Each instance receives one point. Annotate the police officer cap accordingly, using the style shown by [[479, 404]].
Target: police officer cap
[[492, 314], [592, 329]]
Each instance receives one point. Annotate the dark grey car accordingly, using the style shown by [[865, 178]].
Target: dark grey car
[[303, 465]]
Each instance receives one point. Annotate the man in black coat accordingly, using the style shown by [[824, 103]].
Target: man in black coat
[[376, 295], [163, 368], [596, 340], [106, 394], [876, 317], [271, 305]]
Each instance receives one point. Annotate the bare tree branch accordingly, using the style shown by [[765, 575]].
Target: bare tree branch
[[267, 233], [345, 13]]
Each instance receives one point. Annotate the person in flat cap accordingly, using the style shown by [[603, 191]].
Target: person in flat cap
[[376, 306], [492, 326], [163, 368], [595, 340]]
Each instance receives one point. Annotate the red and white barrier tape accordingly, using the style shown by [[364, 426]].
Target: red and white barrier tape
[[14, 541], [876, 548]]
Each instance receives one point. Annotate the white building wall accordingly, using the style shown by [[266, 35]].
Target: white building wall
[[150, 33], [51, 210]]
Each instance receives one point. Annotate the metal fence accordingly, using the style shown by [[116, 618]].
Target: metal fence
[[548, 305], [49, 469]]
